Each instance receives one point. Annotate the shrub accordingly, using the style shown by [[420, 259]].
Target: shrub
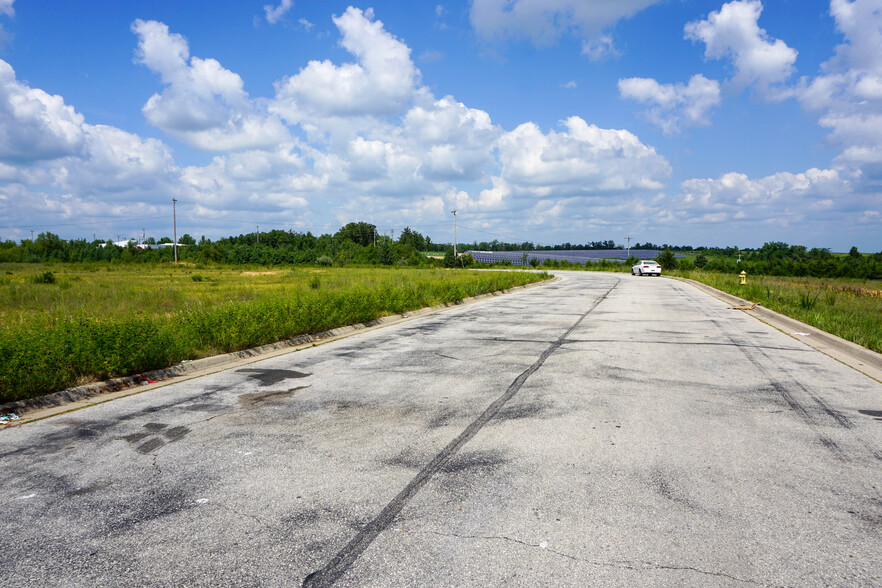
[[197, 277], [324, 260], [44, 278]]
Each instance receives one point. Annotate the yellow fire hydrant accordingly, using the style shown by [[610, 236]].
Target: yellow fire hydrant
[[743, 276]]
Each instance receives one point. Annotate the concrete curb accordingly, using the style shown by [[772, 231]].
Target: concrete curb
[[99, 392], [864, 360]]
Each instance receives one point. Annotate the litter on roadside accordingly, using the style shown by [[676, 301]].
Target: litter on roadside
[[6, 419], [802, 334]]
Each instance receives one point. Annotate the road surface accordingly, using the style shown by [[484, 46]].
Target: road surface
[[603, 430]]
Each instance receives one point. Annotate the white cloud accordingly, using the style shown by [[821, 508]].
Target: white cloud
[[674, 103], [274, 13], [35, 125], [599, 48], [455, 142], [53, 165], [733, 33], [203, 104], [848, 93], [783, 198], [582, 160], [381, 83], [305, 24], [6, 7], [544, 21]]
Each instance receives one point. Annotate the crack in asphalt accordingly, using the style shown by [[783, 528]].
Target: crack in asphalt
[[343, 560], [621, 564]]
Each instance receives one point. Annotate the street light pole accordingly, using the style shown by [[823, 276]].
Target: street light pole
[[455, 256], [175, 225], [629, 246]]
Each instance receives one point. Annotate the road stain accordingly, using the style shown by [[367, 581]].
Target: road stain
[[269, 396], [270, 377]]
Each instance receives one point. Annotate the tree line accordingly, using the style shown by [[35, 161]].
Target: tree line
[[359, 243]]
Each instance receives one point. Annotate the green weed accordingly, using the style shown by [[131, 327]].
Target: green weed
[[125, 320]]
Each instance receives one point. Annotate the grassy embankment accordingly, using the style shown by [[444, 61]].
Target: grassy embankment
[[90, 322], [851, 309]]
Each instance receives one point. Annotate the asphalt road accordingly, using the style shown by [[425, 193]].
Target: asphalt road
[[603, 430]]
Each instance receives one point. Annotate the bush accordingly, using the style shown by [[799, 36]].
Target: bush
[[667, 260], [449, 258], [324, 260], [44, 278]]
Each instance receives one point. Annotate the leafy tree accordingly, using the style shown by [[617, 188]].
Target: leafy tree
[[413, 238], [449, 258], [186, 239], [384, 253], [466, 260], [701, 261], [667, 260], [360, 233], [854, 253]]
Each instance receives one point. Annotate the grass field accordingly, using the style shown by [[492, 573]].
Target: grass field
[[851, 309], [64, 325]]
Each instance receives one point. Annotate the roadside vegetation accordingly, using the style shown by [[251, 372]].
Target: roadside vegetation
[[69, 324], [74, 311], [851, 309]]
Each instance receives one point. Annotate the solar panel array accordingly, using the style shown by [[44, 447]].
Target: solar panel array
[[574, 256]]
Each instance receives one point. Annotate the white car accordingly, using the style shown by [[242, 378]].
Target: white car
[[646, 268]]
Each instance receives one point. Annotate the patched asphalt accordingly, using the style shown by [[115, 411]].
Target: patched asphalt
[[605, 430]]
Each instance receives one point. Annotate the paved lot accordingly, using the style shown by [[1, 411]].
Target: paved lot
[[604, 430]]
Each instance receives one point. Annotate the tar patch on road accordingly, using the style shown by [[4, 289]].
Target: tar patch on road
[[270, 377], [155, 436], [268, 397]]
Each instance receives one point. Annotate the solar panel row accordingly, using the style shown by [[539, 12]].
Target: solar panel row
[[574, 256]]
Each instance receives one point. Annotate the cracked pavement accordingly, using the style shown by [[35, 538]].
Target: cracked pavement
[[603, 430]]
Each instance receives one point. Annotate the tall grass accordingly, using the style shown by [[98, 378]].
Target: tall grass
[[96, 322], [851, 309]]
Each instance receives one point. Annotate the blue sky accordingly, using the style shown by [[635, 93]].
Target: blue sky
[[672, 121]]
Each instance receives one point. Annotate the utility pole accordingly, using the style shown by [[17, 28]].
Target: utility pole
[[455, 256], [629, 246], [175, 225], [258, 234], [393, 234], [143, 235], [32, 234]]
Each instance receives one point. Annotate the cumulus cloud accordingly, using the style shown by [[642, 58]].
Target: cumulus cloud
[[848, 92], [54, 165], [826, 202], [35, 125], [544, 21], [203, 104], [582, 160], [599, 48], [674, 103], [6, 7], [733, 33], [274, 13], [381, 83]]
